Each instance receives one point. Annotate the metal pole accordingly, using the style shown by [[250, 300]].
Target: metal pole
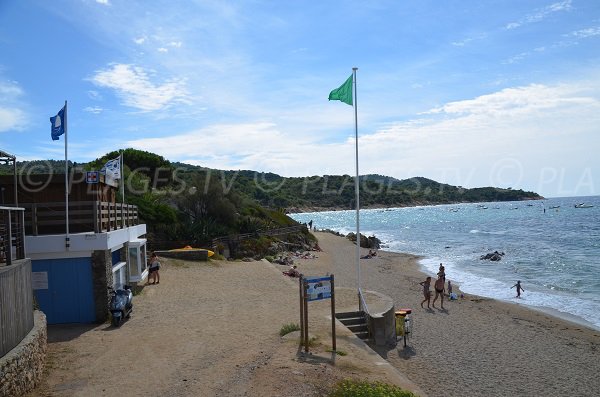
[[333, 313], [122, 183], [15, 182], [356, 185], [67, 242]]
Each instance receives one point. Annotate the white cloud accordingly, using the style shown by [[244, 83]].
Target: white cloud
[[175, 44], [103, 2], [163, 49], [134, 86], [11, 119], [11, 116], [505, 138], [140, 40], [584, 33], [540, 14], [94, 109]]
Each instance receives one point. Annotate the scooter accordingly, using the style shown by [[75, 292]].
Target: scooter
[[121, 304]]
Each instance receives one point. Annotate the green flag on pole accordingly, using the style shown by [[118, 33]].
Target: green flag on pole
[[343, 93]]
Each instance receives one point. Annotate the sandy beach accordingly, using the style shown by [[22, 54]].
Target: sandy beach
[[211, 329], [478, 346]]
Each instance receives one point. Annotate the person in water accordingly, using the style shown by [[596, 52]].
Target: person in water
[[519, 288]]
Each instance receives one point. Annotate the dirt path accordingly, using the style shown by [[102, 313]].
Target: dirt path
[[208, 329]]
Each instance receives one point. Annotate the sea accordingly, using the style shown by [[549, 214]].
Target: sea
[[551, 246]]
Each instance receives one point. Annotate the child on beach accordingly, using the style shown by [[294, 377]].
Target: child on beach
[[449, 288], [426, 293], [519, 288]]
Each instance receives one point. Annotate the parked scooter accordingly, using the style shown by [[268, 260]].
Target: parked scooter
[[121, 304]]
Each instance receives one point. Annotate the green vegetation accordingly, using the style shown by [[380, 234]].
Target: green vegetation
[[183, 204], [340, 353], [353, 388], [286, 329]]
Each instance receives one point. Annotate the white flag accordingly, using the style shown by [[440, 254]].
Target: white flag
[[112, 168]]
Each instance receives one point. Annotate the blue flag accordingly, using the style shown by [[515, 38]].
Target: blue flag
[[58, 124]]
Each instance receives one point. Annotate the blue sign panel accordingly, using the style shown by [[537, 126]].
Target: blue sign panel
[[318, 288]]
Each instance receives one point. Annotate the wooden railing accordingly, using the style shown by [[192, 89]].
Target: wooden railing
[[271, 232], [84, 216], [12, 235]]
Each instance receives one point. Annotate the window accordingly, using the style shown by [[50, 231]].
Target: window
[[136, 258]]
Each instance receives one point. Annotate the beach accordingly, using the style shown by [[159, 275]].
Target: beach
[[211, 329], [478, 346]]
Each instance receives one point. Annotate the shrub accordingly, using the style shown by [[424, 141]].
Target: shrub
[[286, 329], [353, 388]]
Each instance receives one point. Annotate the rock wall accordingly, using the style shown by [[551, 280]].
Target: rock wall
[[21, 368]]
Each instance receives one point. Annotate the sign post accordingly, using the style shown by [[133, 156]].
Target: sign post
[[313, 289]]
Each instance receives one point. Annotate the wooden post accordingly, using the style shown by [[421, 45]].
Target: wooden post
[[333, 313], [305, 288], [34, 220], [300, 282]]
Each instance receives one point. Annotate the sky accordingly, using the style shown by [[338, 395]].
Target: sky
[[470, 93]]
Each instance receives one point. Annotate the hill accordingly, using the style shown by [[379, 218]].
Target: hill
[[187, 204]]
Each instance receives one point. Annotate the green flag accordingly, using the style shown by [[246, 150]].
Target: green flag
[[343, 93]]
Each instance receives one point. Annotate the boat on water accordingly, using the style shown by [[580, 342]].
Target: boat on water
[[555, 207], [583, 205]]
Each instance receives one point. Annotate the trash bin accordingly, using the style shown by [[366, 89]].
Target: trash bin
[[403, 325]]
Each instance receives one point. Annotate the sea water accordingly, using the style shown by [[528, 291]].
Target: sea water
[[552, 247]]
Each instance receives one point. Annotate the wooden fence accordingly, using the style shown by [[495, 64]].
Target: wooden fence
[[12, 235], [16, 304], [271, 232], [84, 216]]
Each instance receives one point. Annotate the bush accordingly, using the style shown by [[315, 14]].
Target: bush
[[286, 329], [353, 388]]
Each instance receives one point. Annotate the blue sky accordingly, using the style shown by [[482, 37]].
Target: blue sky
[[471, 93]]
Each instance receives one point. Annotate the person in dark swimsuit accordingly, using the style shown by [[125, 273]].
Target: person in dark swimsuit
[[439, 289]]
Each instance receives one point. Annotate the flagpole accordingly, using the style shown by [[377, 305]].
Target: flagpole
[[122, 186], [356, 185], [67, 239]]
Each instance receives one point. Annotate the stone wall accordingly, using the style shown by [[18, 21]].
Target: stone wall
[[21, 368], [102, 277]]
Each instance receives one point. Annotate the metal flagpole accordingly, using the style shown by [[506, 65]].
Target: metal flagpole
[[122, 186], [356, 185], [67, 239]]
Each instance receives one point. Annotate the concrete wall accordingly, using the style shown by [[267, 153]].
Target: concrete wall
[[381, 320], [21, 368]]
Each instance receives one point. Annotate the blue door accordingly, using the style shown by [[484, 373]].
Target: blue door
[[69, 296]]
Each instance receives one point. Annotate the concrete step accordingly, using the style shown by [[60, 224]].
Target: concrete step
[[352, 321], [340, 316], [358, 328], [362, 335]]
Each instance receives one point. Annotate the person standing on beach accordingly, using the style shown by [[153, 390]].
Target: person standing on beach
[[442, 272], [426, 293], [519, 288], [439, 289], [449, 288], [154, 268]]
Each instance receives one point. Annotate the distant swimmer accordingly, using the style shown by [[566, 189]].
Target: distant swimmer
[[519, 288]]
